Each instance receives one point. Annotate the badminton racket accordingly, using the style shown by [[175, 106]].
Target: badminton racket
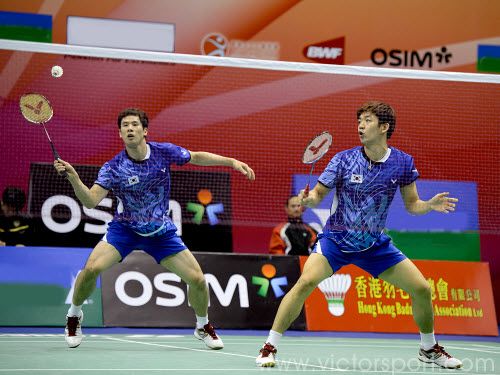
[[37, 109], [315, 150]]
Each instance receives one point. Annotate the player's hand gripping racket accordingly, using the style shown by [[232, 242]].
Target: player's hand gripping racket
[[37, 109], [314, 151]]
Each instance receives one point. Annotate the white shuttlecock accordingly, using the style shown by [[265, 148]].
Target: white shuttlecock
[[57, 71], [335, 288]]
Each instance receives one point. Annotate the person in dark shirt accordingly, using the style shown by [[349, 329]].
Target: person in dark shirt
[[293, 237], [15, 227]]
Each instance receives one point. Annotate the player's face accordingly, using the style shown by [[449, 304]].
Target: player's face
[[369, 130], [294, 208], [131, 131]]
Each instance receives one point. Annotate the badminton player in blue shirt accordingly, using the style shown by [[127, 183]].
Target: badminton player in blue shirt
[[365, 179], [140, 178]]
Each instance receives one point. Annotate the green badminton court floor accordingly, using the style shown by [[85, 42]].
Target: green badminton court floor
[[146, 354]]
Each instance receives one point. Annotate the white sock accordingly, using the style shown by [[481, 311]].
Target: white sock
[[274, 338], [75, 310], [427, 340], [201, 321]]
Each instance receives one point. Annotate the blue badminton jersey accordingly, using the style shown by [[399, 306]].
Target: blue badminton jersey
[[143, 187], [363, 193]]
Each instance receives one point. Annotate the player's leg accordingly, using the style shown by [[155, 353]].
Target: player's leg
[[315, 270], [184, 265], [100, 259], [407, 276]]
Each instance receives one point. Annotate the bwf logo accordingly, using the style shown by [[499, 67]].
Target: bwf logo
[[327, 52], [269, 271], [205, 198]]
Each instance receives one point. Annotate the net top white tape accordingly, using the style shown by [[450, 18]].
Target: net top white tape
[[64, 49]]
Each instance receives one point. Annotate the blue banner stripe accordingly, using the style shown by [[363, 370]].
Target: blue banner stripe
[[484, 50], [41, 265], [26, 19]]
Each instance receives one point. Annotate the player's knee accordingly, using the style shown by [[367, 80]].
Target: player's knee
[[197, 281], [91, 271], [422, 291], [306, 284]]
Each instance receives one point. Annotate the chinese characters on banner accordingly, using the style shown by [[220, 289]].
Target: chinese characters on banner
[[461, 295]]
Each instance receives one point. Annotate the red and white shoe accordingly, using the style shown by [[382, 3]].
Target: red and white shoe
[[209, 337], [267, 356], [73, 330], [439, 356]]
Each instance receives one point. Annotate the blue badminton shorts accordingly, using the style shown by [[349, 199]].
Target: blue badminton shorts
[[126, 240], [378, 258]]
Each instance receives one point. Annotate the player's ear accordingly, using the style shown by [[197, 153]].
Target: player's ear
[[385, 127], [145, 131]]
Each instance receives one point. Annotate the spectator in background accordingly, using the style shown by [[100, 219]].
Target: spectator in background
[[293, 237], [15, 227]]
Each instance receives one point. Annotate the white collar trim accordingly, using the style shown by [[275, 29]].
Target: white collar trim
[[385, 157], [148, 152]]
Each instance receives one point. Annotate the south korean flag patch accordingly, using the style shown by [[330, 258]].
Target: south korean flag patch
[[133, 180], [356, 178]]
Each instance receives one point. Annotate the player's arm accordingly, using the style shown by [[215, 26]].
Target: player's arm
[[208, 159], [414, 205], [315, 196], [90, 198]]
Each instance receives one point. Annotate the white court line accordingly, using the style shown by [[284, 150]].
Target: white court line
[[423, 371], [472, 350], [44, 341], [284, 343], [434, 370], [219, 352], [486, 346]]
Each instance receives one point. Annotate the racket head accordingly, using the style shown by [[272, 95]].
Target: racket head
[[35, 108], [317, 147]]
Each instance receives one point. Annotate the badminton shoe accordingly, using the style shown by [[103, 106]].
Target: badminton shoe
[[439, 356], [73, 331], [267, 356], [209, 337]]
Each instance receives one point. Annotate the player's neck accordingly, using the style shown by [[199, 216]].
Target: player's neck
[[137, 152], [376, 152]]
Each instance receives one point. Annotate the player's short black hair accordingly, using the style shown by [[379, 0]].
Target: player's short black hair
[[384, 112], [143, 117], [14, 197]]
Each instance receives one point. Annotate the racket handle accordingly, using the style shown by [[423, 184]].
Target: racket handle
[[306, 191], [63, 173], [57, 156]]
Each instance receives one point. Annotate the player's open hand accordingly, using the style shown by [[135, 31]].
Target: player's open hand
[[443, 203], [61, 167], [244, 169]]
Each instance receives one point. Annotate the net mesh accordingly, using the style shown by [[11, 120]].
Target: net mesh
[[262, 117]]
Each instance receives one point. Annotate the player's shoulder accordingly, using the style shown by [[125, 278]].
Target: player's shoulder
[[162, 146], [399, 153], [117, 159], [349, 152]]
